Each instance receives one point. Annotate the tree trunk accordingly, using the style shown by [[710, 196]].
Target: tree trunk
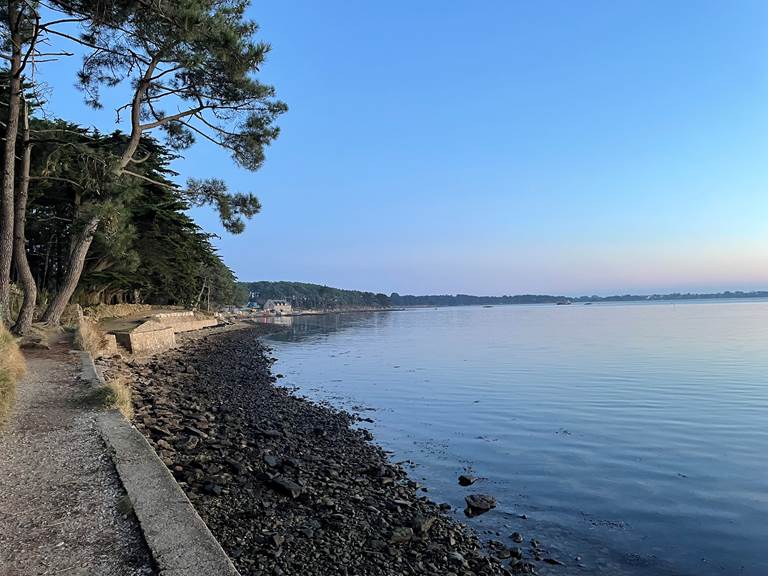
[[80, 245], [27, 279], [9, 163], [200, 295]]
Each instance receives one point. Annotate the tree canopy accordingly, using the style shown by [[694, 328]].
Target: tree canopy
[[98, 215]]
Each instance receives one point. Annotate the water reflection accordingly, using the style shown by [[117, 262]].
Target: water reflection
[[314, 326]]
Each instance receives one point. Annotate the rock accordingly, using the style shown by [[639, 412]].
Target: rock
[[516, 537], [237, 467], [165, 445], [287, 486], [422, 525], [160, 431], [465, 480], [277, 540], [456, 558], [212, 489], [401, 535], [554, 562], [272, 461], [535, 543], [191, 443], [502, 552], [479, 504], [516, 552], [376, 544], [195, 431]]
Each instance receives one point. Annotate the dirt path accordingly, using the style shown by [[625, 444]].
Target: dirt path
[[59, 492]]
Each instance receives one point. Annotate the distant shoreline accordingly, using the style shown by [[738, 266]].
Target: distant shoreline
[[468, 300]]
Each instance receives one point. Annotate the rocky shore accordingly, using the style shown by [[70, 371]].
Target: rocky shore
[[289, 486]]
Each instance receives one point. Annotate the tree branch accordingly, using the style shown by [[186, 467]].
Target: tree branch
[[167, 119], [147, 179]]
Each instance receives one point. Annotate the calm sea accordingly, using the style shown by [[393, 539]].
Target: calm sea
[[632, 436]]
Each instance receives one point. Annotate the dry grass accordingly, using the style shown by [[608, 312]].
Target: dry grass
[[90, 337], [12, 367], [101, 311], [121, 395], [116, 393]]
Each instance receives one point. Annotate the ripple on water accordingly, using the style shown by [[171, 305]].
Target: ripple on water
[[633, 436]]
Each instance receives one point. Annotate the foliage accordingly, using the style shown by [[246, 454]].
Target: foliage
[[313, 296], [147, 249], [11, 368], [196, 58]]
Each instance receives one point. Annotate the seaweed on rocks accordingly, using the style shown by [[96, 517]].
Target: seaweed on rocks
[[286, 485]]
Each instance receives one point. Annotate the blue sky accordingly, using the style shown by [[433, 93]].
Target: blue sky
[[504, 147]]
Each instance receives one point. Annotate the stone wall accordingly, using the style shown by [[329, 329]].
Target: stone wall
[[185, 321], [158, 332], [147, 342]]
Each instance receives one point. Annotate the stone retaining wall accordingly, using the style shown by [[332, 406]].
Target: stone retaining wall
[[159, 332], [147, 342]]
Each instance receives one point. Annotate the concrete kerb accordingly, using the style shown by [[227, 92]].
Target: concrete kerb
[[180, 542]]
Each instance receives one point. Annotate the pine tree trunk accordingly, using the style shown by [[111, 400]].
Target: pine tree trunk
[[27, 279], [80, 246], [9, 164]]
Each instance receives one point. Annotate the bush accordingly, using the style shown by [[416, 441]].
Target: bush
[[90, 337], [116, 393], [12, 367]]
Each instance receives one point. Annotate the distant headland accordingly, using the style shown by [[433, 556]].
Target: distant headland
[[318, 296]]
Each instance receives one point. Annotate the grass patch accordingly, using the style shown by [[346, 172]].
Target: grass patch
[[116, 393], [12, 367], [90, 337]]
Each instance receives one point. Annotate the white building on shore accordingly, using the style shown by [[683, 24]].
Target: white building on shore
[[277, 307]]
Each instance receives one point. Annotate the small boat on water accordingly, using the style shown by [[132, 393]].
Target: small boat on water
[[563, 302], [488, 306]]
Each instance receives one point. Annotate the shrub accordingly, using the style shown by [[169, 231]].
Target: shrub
[[12, 367]]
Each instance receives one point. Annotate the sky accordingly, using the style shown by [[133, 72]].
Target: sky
[[502, 147]]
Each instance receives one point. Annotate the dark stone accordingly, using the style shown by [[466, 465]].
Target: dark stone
[[479, 504], [237, 467], [422, 525], [212, 489], [272, 461], [195, 431], [465, 480], [401, 535], [287, 486]]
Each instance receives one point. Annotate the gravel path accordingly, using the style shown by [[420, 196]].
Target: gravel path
[[59, 492]]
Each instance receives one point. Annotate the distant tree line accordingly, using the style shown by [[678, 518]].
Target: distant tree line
[[468, 300], [313, 296]]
